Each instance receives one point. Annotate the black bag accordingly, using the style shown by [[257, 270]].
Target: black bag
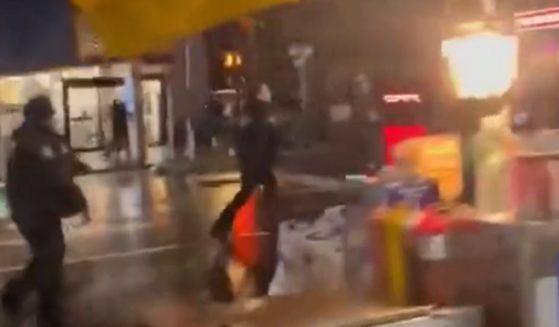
[[72, 201]]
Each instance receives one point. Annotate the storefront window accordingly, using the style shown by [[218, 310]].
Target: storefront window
[[11, 90]]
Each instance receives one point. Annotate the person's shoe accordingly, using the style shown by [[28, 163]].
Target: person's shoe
[[220, 285], [46, 323], [51, 318], [11, 310]]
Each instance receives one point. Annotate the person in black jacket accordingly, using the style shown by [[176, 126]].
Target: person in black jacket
[[256, 150], [40, 166], [121, 139]]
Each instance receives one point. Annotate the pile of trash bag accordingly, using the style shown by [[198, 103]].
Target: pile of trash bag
[[310, 254]]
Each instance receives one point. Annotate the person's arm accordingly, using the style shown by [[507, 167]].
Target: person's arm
[[69, 157], [79, 167]]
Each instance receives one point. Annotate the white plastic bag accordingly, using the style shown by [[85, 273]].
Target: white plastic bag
[[310, 254], [324, 250], [324, 265], [358, 263], [290, 270]]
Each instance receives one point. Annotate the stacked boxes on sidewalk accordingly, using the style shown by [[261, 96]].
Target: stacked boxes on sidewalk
[[508, 269], [482, 267]]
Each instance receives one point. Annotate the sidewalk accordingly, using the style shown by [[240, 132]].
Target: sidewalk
[[132, 210], [146, 247], [144, 259]]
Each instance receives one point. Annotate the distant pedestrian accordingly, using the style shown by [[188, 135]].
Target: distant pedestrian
[[40, 192], [121, 139], [211, 125]]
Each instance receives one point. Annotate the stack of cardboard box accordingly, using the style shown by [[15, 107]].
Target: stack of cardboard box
[[482, 267]]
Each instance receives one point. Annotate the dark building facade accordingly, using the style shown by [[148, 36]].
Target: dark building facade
[[387, 40], [390, 41]]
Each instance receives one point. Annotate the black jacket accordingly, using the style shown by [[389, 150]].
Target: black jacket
[[40, 165], [257, 148], [120, 122]]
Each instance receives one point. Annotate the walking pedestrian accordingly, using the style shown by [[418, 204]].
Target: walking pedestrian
[[121, 139], [256, 150], [40, 192]]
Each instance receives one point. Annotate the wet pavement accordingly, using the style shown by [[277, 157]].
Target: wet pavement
[[144, 255], [144, 258]]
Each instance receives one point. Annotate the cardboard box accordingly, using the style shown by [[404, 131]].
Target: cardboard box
[[482, 268]]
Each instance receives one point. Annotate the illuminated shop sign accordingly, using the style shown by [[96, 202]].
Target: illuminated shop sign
[[402, 98], [537, 19]]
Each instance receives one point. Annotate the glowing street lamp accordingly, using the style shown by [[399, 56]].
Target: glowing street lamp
[[482, 64]]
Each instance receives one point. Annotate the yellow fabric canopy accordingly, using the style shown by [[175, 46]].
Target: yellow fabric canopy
[[133, 27]]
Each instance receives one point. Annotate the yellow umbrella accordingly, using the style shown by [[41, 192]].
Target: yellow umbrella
[[133, 27]]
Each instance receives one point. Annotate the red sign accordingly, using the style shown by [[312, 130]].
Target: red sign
[[537, 19], [394, 134]]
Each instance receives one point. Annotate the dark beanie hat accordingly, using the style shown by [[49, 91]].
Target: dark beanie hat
[[38, 109]]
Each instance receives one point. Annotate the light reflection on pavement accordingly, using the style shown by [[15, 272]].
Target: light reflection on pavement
[[143, 261], [147, 244]]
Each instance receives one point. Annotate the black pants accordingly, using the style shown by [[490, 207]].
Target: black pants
[[264, 270], [43, 273], [249, 182]]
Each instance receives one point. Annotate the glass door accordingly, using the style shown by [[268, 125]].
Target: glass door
[[88, 118]]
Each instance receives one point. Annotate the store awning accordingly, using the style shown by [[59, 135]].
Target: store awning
[[133, 27]]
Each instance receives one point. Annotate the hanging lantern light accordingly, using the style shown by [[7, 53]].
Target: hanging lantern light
[[482, 62]]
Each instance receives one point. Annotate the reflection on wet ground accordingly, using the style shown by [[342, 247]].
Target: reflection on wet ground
[[145, 251], [144, 259]]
